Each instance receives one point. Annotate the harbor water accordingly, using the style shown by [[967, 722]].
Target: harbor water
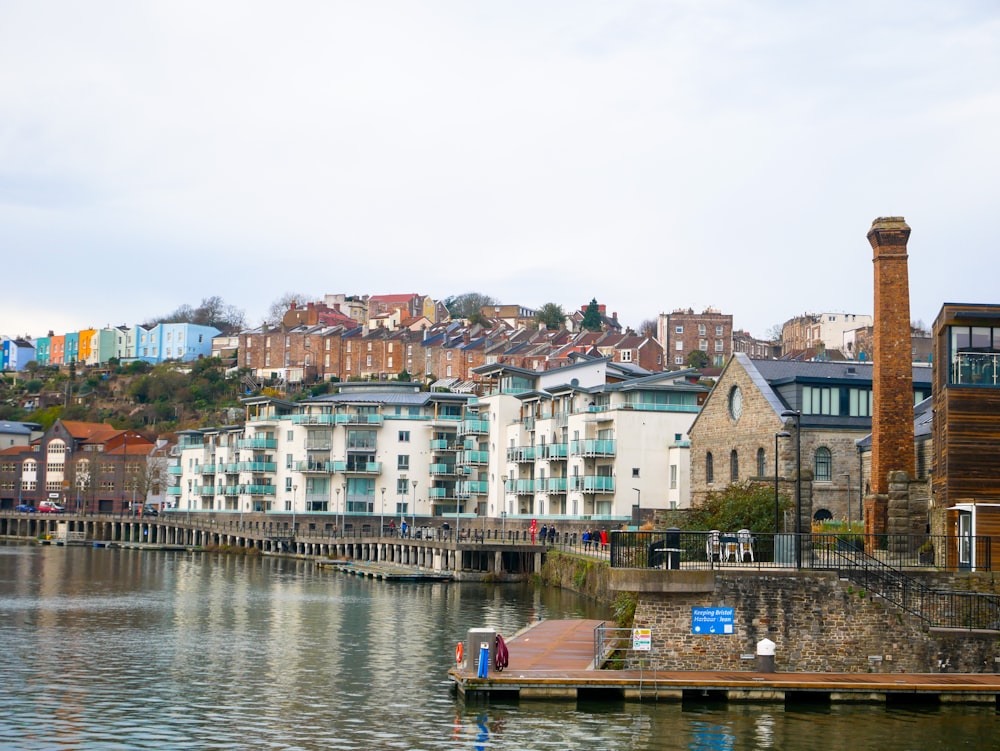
[[126, 649]]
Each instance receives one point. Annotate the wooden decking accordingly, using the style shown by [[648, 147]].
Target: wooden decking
[[553, 660]]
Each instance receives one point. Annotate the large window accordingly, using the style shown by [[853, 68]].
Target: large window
[[840, 401], [734, 466], [824, 464], [975, 355], [709, 468], [761, 463]]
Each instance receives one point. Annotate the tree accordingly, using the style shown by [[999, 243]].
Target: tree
[[592, 319], [276, 311], [212, 311], [741, 505], [648, 328], [551, 315], [464, 305], [697, 359], [774, 333]]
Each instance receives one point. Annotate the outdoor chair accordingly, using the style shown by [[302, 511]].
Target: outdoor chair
[[713, 546], [744, 544]]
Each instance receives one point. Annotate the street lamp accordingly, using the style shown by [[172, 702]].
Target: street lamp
[[782, 434], [848, 487], [413, 508], [797, 416], [337, 490], [381, 514], [295, 492], [638, 508], [503, 510]]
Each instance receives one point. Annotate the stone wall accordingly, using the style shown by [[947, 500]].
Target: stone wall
[[818, 623]]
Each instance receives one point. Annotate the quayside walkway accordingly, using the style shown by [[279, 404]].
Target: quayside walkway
[[554, 660]]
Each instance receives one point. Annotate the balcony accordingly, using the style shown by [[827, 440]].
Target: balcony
[[476, 458], [474, 427], [207, 469], [358, 419], [257, 443], [255, 467], [175, 490], [556, 484], [230, 490], [593, 484], [441, 494], [175, 469], [593, 447], [528, 423], [467, 488], [522, 454], [441, 470], [319, 445], [442, 444], [358, 468], [556, 451], [524, 487], [314, 419], [204, 490], [258, 489], [314, 466]]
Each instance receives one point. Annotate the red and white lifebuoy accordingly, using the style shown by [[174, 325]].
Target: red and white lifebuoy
[[458, 653]]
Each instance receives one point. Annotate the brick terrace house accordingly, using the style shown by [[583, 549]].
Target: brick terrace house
[[684, 331], [733, 437]]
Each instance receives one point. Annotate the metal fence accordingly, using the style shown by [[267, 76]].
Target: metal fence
[[677, 549]]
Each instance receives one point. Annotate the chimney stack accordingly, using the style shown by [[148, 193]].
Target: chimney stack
[[892, 380]]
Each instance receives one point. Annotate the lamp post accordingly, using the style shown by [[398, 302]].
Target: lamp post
[[413, 508], [638, 508], [797, 416], [343, 516], [503, 510], [337, 508], [848, 487], [295, 491], [381, 515], [782, 434]]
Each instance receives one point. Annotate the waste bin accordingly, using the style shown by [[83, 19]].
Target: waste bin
[[474, 637], [765, 656]]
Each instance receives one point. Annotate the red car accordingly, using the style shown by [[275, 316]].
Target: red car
[[50, 507]]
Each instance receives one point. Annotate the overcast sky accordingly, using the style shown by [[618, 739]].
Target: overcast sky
[[655, 155]]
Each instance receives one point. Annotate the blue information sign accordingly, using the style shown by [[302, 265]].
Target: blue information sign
[[712, 620]]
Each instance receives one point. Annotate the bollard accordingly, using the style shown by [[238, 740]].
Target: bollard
[[765, 656]]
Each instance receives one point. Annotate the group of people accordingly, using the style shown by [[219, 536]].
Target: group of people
[[597, 538], [547, 534]]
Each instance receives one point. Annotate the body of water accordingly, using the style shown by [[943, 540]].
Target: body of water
[[122, 649]]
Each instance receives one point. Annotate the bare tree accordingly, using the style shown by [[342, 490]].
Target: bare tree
[[279, 307], [468, 304], [648, 328]]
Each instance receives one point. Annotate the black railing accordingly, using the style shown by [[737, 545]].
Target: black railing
[[679, 549]]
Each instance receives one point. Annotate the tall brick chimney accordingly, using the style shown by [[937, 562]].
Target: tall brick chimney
[[892, 386]]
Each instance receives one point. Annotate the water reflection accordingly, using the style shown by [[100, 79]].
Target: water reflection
[[126, 650]]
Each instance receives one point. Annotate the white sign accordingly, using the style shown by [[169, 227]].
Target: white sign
[[642, 639]]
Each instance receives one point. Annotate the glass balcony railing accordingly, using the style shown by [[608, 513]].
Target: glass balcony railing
[[174, 491], [314, 466], [175, 469], [442, 444], [593, 447], [473, 457], [439, 469], [468, 488], [476, 427], [313, 419], [257, 443], [556, 484], [593, 483], [256, 467], [556, 451], [207, 469], [361, 468]]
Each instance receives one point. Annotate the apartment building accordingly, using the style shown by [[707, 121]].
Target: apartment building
[[684, 331]]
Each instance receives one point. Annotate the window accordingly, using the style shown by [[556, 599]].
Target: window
[[404, 436], [761, 463], [734, 466], [673, 476], [823, 462], [718, 330], [709, 468], [635, 471], [701, 329], [626, 355], [678, 360], [389, 363], [402, 486], [678, 329], [368, 361], [703, 345], [679, 345], [718, 345], [403, 461]]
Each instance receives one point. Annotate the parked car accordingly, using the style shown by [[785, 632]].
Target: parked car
[[50, 507], [149, 511], [25, 508]]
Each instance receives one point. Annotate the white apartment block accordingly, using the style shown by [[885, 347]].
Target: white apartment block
[[584, 441]]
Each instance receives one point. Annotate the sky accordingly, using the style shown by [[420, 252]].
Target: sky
[[653, 155]]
